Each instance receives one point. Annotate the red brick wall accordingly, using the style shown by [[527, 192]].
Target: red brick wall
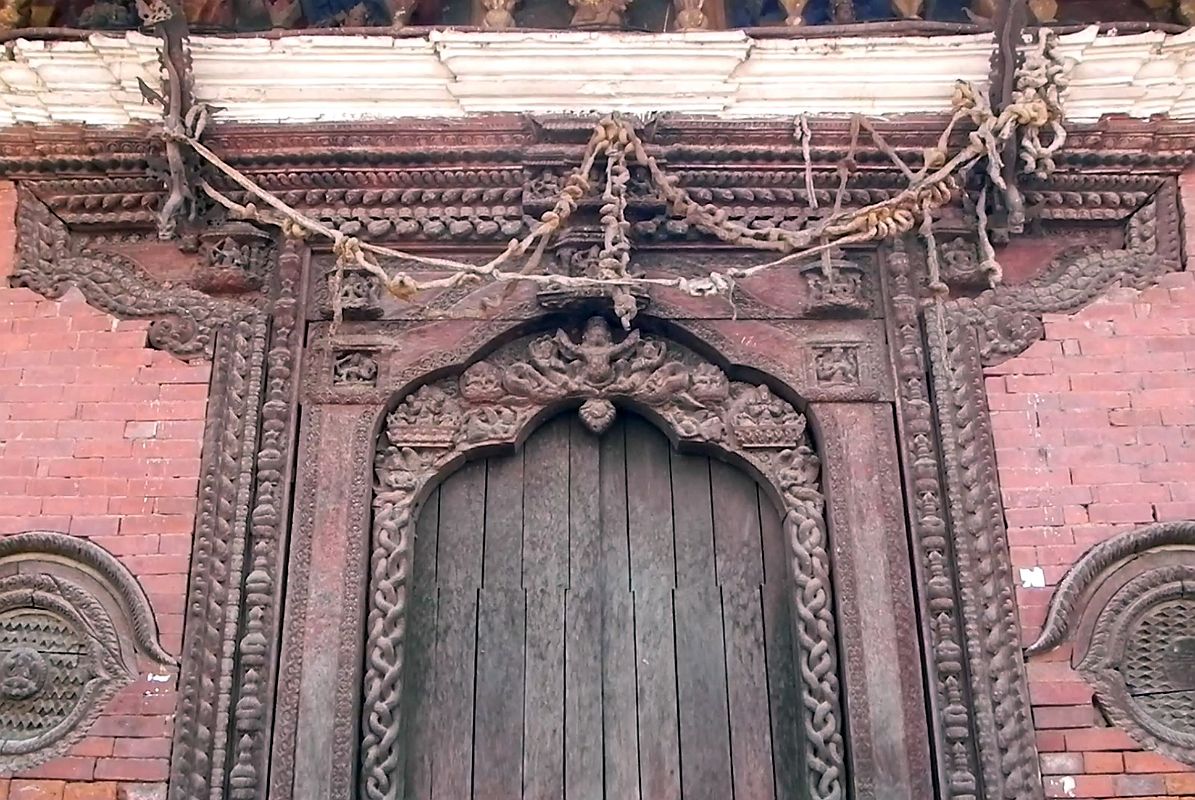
[[1095, 434], [100, 437]]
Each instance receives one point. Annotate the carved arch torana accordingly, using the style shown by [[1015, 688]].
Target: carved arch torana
[[497, 400]]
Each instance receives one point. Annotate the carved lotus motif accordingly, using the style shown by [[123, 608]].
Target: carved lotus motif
[[597, 415]]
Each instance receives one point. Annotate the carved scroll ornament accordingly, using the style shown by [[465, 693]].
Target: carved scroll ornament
[[1129, 603], [495, 400], [73, 626]]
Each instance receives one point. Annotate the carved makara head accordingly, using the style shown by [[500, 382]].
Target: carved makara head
[[481, 383]]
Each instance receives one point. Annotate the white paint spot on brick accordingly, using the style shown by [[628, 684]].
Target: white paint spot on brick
[[1068, 783], [1034, 578]]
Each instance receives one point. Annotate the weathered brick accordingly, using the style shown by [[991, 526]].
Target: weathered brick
[[98, 790], [21, 789], [132, 769]]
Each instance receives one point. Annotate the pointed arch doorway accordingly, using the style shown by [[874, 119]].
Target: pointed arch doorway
[[601, 617]]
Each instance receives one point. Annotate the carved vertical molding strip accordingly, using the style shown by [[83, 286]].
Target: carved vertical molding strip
[[1003, 728], [934, 562], [213, 608], [258, 639]]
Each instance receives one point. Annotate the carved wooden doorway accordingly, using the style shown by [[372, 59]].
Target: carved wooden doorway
[[601, 617]]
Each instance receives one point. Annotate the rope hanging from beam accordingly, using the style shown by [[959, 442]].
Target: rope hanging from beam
[[1035, 109]]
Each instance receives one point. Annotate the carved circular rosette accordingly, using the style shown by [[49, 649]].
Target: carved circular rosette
[[494, 402], [72, 623]]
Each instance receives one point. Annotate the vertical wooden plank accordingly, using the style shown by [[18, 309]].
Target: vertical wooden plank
[[619, 714], [780, 650], [498, 728], [583, 620], [419, 681], [649, 504], [750, 735], [458, 569], [498, 731], [739, 549], [700, 659], [736, 526], [545, 577]]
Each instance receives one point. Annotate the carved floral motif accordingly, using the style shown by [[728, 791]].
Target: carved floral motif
[[493, 400]]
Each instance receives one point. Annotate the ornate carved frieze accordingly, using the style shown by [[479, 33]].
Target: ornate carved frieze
[[1129, 603], [75, 627], [492, 401]]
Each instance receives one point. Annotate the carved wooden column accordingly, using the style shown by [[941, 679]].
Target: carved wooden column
[[877, 621]]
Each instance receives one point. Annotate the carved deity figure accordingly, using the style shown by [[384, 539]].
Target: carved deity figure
[[591, 361]]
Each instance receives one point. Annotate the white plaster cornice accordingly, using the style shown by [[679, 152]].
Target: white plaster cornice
[[325, 78]]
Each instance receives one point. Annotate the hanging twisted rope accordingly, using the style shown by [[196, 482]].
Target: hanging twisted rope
[[1035, 107]]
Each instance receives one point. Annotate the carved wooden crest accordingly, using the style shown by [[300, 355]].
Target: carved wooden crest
[[496, 400]]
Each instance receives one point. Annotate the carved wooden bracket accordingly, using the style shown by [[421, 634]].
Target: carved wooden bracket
[[50, 261], [496, 401]]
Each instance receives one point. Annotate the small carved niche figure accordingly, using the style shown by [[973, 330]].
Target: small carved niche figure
[[1129, 604], [598, 13], [75, 628]]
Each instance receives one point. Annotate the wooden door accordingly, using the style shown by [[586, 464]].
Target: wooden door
[[601, 617]]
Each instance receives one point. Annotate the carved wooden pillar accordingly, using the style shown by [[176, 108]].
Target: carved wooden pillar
[[877, 622]]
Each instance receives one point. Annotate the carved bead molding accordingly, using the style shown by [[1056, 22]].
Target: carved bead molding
[[49, 262], [494, 402], [1130, 604], [75, 627], [985, 662]]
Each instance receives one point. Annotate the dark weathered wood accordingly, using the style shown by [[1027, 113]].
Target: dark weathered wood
[[456, 640], [498, 726], [653, 578], [746, 676], [545, 576], [736, 526], [462, 528], [583, 621], [458, 572], [619, 714], [700, 660], [421, 663], [738, 544], [502, 613], [503, 562], [783, 679]]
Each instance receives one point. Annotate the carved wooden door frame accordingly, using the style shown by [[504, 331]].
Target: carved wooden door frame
[[228, 723]]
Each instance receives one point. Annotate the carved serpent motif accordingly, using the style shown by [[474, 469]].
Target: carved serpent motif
[[492, 401]]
